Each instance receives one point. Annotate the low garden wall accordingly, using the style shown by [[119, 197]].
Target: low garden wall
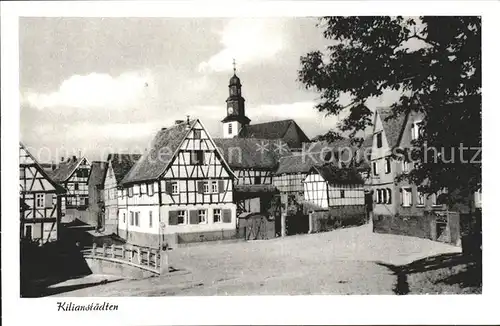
[[428, 226], [338, 217]]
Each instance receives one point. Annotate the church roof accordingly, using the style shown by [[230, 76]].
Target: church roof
[[241, 153], [275, 130], [235, 80]]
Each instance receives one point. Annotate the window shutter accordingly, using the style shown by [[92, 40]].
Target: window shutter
[[226, 215], [199, 185], [401, 196], [410, 197], [193, 217], [48, 200], [172, 218], [221, 186], [389, 196]]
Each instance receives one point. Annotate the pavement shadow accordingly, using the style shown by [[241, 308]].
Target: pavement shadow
[[470, 276]]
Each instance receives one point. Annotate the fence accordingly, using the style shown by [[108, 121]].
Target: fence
[[145, 258]]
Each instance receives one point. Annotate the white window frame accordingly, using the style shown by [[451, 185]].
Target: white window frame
[[175, 187], [375, 167], [387, 165], [206, 187], [230, 129], [214, 187], [184, 215], [407, 194], [204, 213], [217, 213], [39, 200]]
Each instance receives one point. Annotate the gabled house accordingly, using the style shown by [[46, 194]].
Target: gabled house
[[40, 201], [73, 174], [96, 189], [118, 166], [253, 161], [392, 197], [179, 190]]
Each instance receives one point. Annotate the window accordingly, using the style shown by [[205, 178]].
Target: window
[[197, 158], [375, 170], [150, 189], [342, 194], [202, 214], [130, 192], [435, 198], [181, 217], [389, 196], [215, 187], [379, 140], [387, 165], [137, 218], [124, 218], [258, 180], [77, 186], [206, 187], [131, 217], [175, 187], [150, 219], [230, 128], [406, 166], [416, 130], [406, 197], [420, 199], [384, 196], [136, 189], [40, 200], [142, 190], [197, 133], [217, 215]]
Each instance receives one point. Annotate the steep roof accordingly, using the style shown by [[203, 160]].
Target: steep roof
[[156, 160], [241, 153], [97, 174], [336, 176], [274, 130], [64, 170], [45, 173], [122, 163], [393, 126]]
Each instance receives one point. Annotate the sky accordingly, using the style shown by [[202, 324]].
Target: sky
[[92, 86]]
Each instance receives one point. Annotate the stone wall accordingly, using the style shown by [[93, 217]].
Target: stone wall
[[428, 226], [338, 216]]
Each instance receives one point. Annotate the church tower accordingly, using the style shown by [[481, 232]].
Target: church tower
[[235, 118]]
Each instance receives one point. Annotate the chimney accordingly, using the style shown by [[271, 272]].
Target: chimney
[[74, 158], [62, 158], [187, 124], [163, 129]]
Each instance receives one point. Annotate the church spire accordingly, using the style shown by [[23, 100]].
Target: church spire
[[236, 117]]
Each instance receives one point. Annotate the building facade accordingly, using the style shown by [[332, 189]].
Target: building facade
[[180, 187], [40, 201]]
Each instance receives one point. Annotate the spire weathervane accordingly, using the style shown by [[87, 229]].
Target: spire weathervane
[[234, 66]]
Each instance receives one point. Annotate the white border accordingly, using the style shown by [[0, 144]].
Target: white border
[[442, 309]]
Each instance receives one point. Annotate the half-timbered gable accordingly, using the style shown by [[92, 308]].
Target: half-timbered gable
[[329, 186], [40, 200], [73, 174], [182, 183]]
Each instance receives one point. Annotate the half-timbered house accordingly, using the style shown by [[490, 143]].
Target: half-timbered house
[[181, 188], [329, 186], [118, 166], [40, 200], [73, 174]]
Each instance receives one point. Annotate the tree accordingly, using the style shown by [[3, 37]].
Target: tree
[[435, 63]]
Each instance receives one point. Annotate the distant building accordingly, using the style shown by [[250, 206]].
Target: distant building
[[180, 190], [96, 192], [40, 201], [118, 166], [73, 174]]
